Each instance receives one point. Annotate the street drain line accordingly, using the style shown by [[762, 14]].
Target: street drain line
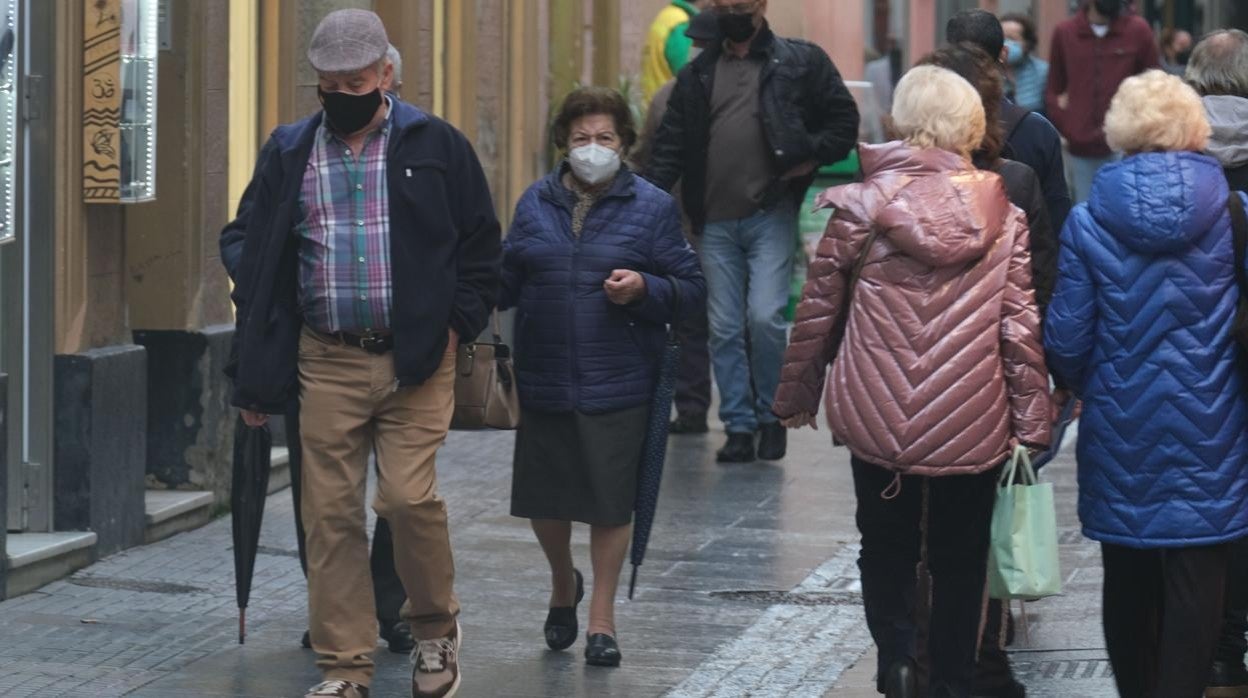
[[135, 585], [771, 597]]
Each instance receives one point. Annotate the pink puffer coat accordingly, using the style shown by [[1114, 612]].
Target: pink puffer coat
[[941, 371]]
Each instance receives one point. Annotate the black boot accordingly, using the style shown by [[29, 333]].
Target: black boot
[[902, 680], [1227, 680], [398, 636], [739, 449], [773, 441]]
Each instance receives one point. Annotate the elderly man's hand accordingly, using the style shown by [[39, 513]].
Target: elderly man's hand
[[625, 286], [254, 419]]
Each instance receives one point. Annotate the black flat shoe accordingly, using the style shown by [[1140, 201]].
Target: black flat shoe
[[689, 424], [399, 637], [602, 650], [561, 628]]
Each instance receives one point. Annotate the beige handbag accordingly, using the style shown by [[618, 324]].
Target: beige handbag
[[485, 386]]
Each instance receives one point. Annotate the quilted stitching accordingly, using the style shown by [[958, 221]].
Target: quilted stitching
[[1140, 324], [575, 350], [941, 367]]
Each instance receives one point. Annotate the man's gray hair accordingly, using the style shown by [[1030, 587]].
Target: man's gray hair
[[1219, 64], [396, 60]]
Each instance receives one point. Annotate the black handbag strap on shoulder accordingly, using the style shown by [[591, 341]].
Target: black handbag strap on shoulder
[[1239, 239]]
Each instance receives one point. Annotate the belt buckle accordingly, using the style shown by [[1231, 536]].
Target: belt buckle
[[372, 342]]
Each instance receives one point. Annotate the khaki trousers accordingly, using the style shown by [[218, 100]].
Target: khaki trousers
[[348, 407]]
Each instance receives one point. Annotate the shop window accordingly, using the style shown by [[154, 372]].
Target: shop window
[[8, 119], [137, 126]]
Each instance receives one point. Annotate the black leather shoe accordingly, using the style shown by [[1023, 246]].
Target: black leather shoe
[[602, 650], [561, 628], [902, 680], [773, 441], [399, 637], [1227, 680], [307, 640], [689, 424], [739, 449]]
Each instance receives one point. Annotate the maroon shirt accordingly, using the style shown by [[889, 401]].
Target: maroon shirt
[[1090, 69]]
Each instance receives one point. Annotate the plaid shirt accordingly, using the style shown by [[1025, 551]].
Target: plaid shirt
[[344, 251]]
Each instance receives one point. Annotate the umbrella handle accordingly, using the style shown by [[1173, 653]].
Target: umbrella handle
[[632, 583], [242, 624]]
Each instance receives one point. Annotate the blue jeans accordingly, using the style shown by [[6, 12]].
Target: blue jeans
[[748, 264], [1082, 172]]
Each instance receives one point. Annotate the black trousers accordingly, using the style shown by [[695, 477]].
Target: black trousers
[[1232, 645], [1162, 612], [388, 589], [693, 376], [959, 512]]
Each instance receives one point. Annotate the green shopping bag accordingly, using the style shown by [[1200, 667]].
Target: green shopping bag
[[1022, 555]]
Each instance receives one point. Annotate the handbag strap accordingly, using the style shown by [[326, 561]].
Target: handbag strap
[[1239, 239], [1020, 457], [498, 327], [859, 264]]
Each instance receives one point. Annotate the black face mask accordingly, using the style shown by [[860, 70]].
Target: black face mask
[[736, 28], [1109, 8], [348, 113]]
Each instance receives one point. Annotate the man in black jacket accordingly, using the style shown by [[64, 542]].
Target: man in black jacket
[[1030, 138], [743, 171], [1218, 70], [369, 248]]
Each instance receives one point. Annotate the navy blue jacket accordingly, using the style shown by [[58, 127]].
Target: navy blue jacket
[[575, 349], [444, 250], [1140, 328], [1033, 141]]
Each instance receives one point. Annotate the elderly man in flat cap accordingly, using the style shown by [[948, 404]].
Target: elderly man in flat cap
[[364, 249]]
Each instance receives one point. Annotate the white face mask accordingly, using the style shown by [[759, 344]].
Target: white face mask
[[593, 163]]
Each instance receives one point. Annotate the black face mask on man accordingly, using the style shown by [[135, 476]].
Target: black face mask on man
[[1109, 8], [349, 113], [736, 28]]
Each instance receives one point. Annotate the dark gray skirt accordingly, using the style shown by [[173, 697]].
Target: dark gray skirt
[[576, 467]]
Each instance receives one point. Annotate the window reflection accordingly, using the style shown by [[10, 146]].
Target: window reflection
[[8, 119], [138, 100]]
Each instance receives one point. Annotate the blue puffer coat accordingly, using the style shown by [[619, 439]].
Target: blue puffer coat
[[575, 349], [1139, 327]]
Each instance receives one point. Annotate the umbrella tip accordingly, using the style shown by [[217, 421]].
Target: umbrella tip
[[632, 583], [242, 625]]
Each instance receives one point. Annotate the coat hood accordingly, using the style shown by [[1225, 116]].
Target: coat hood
[[1159, 202], [919, 219], [1228, 116]]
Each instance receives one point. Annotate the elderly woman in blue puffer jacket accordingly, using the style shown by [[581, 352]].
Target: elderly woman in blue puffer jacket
[[1140, 326], [596, 265]]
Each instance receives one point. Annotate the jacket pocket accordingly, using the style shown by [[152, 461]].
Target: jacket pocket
[[424, 193]]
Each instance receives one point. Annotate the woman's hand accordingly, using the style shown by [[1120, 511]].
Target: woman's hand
[[625, 286], [254, 420], [799, 420]]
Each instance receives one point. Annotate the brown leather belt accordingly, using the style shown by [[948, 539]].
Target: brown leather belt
[[373, 342]]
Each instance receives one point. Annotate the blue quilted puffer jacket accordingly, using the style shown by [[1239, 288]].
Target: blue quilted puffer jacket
[[1140, 327], [575, 349]]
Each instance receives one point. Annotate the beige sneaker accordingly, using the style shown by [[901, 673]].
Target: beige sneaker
[[337, 688], [435, 673]]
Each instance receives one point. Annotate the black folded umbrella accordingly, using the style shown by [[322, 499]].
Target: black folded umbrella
[[654, 453], [250, 487]]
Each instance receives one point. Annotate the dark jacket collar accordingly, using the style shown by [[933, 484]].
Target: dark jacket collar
[[293, 137], [552, 189]]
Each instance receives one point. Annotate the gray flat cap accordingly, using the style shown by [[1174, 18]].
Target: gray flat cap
[[347, 41]]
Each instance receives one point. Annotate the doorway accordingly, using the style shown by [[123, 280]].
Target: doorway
[[26, 270]]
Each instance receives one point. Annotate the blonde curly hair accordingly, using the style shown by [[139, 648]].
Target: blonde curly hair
[[1156, 111], [937, 108]]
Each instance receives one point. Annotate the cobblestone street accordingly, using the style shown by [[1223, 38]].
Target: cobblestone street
[[750, 588]]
